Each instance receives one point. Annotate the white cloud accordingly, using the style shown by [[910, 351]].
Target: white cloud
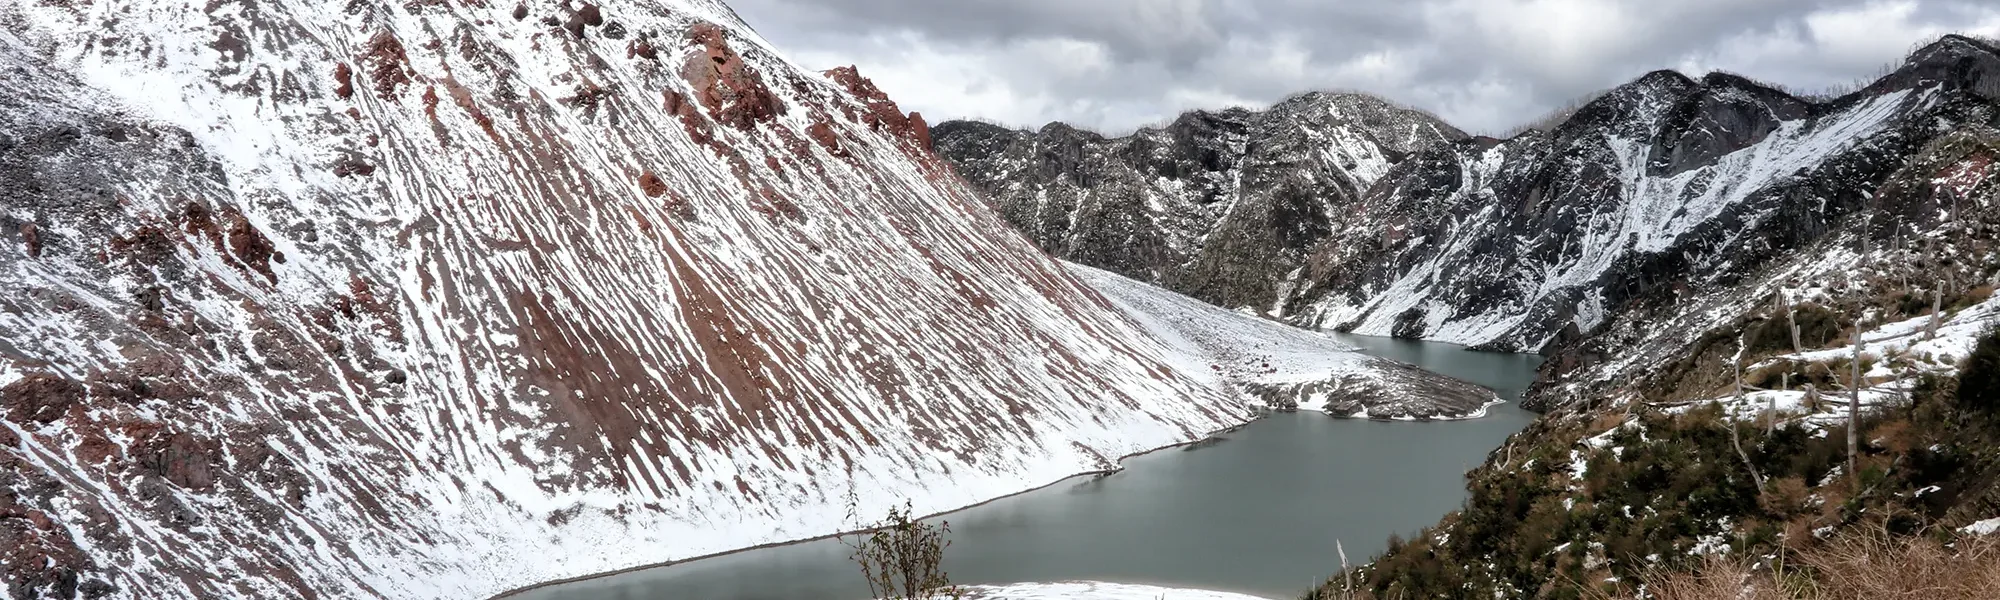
[[1485, 65]]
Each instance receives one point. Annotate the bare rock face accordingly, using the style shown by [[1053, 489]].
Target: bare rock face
[[1222, 206]]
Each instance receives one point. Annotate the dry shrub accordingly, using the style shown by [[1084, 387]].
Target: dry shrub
[[1720, 579], [1873, 566], [1896, 436], [1606, 422], [1913, 568], [1786, 496], [1973, 296]]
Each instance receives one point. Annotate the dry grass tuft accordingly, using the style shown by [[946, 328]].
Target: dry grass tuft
[[1874, 566]]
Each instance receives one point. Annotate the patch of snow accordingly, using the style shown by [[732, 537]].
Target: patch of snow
[[1986, 527]]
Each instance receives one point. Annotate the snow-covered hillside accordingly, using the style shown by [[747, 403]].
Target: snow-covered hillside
[[1287, 367], [438, 299]]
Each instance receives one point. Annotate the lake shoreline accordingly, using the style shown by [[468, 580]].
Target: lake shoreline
[[1122, 463], [1207, 437]]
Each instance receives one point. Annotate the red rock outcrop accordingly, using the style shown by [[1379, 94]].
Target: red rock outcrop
[[651, 184], [883, 114], [32, 237], [388, 64], [40, 398], [343, 81], [732, 91]]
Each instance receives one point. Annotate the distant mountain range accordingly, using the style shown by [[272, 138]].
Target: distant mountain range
[[1344, 212]]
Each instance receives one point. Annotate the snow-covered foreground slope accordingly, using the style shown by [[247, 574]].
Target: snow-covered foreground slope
[[1285, 366], [438, 299]]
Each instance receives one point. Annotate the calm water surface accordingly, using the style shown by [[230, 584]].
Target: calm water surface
[[1257, 513]]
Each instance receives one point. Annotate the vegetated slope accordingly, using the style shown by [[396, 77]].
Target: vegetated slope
[[1652, 458], [1221, 206], [435, 299], [1287, 367]]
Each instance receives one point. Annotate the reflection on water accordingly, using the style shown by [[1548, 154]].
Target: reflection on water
[[1257, 513]]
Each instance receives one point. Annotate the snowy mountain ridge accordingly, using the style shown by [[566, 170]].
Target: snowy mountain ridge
[[1214, 205], [1659, 189]]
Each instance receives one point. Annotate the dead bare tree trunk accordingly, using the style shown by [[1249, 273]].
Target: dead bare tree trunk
[[1344, 568], [1784, 385], [1854, 407], [1735, 435], [1937, 314], [1902, 275], [1792, 322]]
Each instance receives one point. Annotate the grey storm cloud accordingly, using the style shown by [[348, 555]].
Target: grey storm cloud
[[1484, 65]]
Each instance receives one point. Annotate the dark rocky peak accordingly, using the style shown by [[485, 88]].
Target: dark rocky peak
[[961, 127], [1956, 63], [1953, 47], [1786, 105], [1058, 130], [976, 139], [1628, 109], [1729, 113]]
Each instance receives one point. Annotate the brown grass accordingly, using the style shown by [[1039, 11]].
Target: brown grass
[[1856, 566]]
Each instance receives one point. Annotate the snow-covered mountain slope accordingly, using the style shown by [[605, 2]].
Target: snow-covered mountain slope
[[1217, 205], [1658, 191], [1663, 189], [435, 299], [1926, 239], [1284, 366]]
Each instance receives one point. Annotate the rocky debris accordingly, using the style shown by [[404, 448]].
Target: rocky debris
[[823, 134], [38, 559], [587, 15], [177, 456], [40, 397], [388, 64], [651, 185], [642, 48], [250, 247], [350, 165], [343, 81], [733, 92], [31, 239]]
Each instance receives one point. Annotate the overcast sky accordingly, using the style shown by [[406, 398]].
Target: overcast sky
[[1484, 65]]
